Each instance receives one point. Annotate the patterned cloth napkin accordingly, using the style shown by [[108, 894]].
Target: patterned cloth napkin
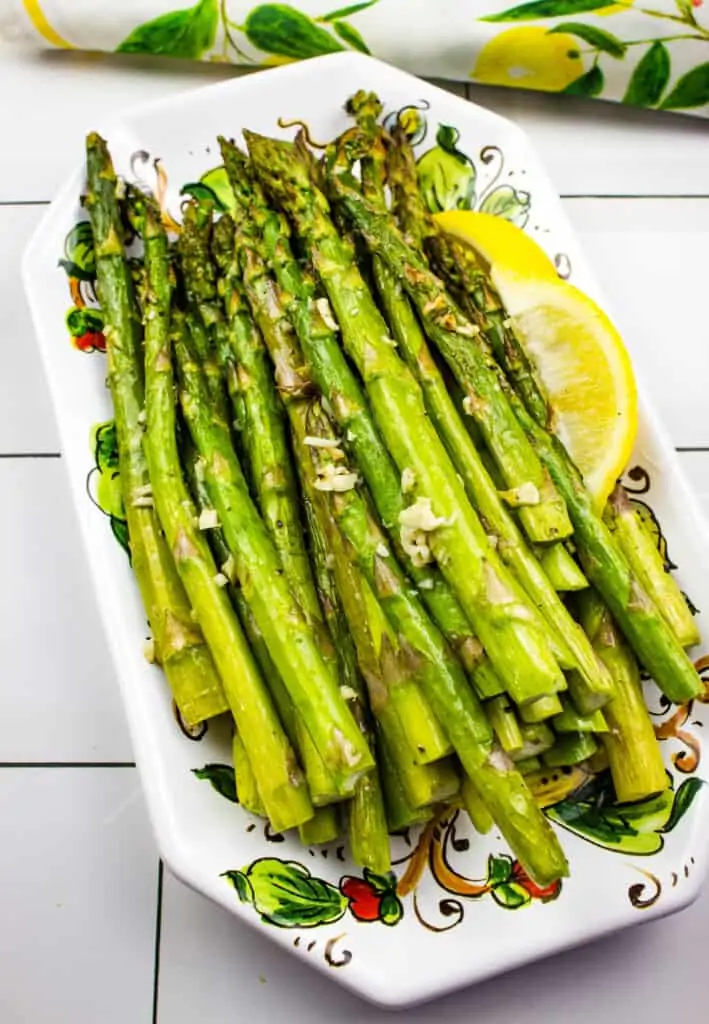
[[650, 53]]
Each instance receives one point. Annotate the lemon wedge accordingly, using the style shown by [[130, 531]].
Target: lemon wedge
[[499, 242], [577, 353]]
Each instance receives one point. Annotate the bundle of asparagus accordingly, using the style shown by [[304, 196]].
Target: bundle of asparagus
[[366, 565]]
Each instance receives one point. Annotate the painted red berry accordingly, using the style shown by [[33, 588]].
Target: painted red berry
[[364, 902], [91, 341], [537, 892]]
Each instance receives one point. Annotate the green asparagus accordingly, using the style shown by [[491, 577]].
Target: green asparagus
[[634, 755], [497, 609], [270, 235], [292, 644], [590, 683], [647, 563], [278, 777], [179, 643], [501, 788]]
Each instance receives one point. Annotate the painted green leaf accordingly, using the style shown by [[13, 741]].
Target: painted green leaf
[[635, 828], [650, 78], [285, 894], [511, 895], [212, 187], [119, 529], [80, 258], [598, 38], [683, 801], [221, 778], [499, 869], [589, 84], [390, 909], [188, 33], [546, 9], [281, 29], [446, 176], [509, 203], [692, 90], [349, 34], [200, 192], [347, 12], [106, 447], [84, 321]]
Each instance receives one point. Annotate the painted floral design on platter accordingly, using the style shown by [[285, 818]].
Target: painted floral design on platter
[[286, 893], [83, 320]]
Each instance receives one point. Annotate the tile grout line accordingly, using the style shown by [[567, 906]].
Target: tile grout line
[[30, 455], [158, 934], [67, 764], [24, 202]]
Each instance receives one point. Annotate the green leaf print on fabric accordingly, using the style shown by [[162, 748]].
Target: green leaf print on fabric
[[590, 84], [547, 9], [188, 33], [347, 12], [692, 90], [598, 38], [282, 30], [650, 77], [349, 34]]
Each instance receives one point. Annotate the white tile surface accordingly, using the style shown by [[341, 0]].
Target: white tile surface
[[60, 699], [214, 969], [593, 148], [78, 890], [26, 418], [650, 257]]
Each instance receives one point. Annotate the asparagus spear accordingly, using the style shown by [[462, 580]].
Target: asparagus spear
[[401, 814], [179, 642], [246, 786], [561, 569], [205, 315], [497, 609], [501, 788], [591, 685], [269, 234], [570, 748], [633, 752], [366, 817], [569, 720], [460, 267], [537, 738], [603, 562], [541, 709], [292, 644], [503, 719], [279, 780], [647, 564], [477, 811], [320, 781]]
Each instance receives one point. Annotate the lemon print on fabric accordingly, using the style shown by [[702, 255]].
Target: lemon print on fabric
[[530, 57]]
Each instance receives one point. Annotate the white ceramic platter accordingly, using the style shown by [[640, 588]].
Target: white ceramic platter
[[458, 910]]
